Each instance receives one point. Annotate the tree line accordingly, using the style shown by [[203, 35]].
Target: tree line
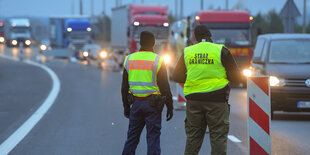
[[271, 22]]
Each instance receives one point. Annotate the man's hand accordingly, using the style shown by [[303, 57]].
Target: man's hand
[[169, 114], [127, 112]]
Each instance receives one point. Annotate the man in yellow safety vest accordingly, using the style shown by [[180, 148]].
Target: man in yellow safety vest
[[145, 90], [206, 69]]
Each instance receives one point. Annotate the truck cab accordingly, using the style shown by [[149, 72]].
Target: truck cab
[[77, 33], [148, 18], [72, 32], [19, 32]]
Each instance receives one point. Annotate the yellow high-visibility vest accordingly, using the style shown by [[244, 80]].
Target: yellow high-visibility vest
[[142, 68], [205, 72]]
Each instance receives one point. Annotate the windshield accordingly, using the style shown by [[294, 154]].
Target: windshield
[[20, 30], [231, 36], [290, 51], [158, 31]]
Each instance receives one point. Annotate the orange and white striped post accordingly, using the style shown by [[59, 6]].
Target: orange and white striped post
[[259, 107], [181, 101]]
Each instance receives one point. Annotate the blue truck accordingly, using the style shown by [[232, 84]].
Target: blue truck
[[70, 32]]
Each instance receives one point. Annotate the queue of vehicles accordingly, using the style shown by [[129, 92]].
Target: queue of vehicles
[[283, 57]]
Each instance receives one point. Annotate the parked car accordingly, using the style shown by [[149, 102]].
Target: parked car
[[286, 59]]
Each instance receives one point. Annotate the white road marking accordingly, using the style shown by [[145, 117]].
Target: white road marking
[[175, 98], [9, 144], [234, 139]]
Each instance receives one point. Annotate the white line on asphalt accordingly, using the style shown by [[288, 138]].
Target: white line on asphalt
[[9, 144], [234, 139]]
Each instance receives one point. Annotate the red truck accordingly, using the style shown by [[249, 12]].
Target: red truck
[[232, 28], [130, 20], [2, 39]]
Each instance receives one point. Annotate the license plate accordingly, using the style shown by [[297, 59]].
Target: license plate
[[303, 104]]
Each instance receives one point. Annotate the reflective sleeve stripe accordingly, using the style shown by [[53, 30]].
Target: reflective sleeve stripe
[[155, 68], [149, 91], [141, 83], [127, 64], [155, 71]]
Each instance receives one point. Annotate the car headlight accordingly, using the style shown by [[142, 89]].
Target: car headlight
[[85, 54], [2, 39], [247, 72], [167, 58], [275, 82], [43, 47], [103, 54], [27, 42], [14, 42]]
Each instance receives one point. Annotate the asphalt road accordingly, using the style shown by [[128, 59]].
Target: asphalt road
[[87, 117], [22, 89]]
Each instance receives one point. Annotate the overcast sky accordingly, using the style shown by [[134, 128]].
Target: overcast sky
[[45, 8]]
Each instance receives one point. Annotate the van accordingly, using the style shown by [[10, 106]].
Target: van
[[286, 59]]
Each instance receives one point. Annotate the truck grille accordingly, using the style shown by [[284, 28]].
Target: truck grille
[[295, 83], [78, 46]]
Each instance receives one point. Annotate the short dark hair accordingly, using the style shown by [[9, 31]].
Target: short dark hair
[[147, 39], [202, 32]]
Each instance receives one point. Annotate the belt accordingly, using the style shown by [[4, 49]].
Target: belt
[[144, 98]]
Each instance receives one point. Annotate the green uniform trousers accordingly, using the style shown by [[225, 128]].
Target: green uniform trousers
[[199, 115]]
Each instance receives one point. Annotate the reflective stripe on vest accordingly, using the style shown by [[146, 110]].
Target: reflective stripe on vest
[[142, 68], [205, 72]]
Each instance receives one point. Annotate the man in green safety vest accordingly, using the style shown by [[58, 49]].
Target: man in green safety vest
[[206, 69], [145, 90]]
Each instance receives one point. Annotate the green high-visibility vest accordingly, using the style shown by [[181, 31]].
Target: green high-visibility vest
[[142, 68], [205, 72]]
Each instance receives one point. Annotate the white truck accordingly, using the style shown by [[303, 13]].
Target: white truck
[[19, 32]]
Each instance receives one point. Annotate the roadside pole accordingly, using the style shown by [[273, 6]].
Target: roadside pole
[[259, 109], [304, 17], [180, 101]]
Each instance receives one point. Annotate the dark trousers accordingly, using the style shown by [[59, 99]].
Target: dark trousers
[[201, 114], [142, 114]]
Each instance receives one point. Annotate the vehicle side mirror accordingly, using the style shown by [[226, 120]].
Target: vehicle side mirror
[[258, 61]]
